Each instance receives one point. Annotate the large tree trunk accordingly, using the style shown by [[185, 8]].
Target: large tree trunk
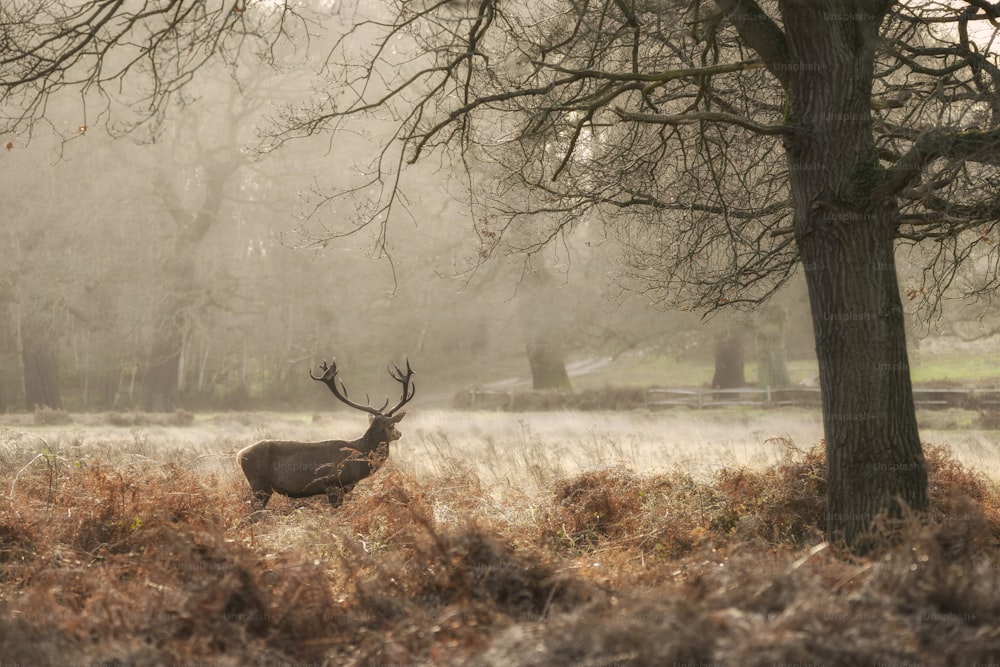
[[772, 365], [541, 313], [163, 373], [9, 373], [105, 389], [873, 448], [548, 365], [729, 362], [39, 366], [162, 383], [846, 243], [41, 377]]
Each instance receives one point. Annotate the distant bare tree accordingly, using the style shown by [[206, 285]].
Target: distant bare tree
[[194, 182], [729, 143], [542, 315], [769, 343], [127, 63], [56, 285], [729, 364]]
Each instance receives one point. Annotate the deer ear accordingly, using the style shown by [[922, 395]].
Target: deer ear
[[396, 418]]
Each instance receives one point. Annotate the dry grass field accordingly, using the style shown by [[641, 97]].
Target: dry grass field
[[489, 539]]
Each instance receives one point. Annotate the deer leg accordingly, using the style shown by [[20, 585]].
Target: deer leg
[[335, 494], [260, 499]]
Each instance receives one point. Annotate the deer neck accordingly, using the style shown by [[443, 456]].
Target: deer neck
[[372, 449], [370, 442]]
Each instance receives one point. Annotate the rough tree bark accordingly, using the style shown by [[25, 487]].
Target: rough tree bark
[[846, 241]]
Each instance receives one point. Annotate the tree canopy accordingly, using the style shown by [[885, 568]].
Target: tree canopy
[[673, 115], [117, 51]]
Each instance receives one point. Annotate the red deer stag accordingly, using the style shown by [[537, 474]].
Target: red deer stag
[[333, 467]]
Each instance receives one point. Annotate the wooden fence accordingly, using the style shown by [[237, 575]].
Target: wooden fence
[[930, 398], [700, 398]]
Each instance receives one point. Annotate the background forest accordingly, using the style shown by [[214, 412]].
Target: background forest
[[176, 267], [187, 253]]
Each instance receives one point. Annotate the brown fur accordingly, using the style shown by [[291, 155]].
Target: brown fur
[[331, 467]]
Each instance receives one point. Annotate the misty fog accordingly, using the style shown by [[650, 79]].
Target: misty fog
[[694, 301], [196, 260], [175, 267]]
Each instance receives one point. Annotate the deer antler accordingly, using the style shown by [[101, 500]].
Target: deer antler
[[409, 389], [330, 379]]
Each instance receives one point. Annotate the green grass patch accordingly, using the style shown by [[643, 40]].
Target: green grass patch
[[955, 369], [666, 371]]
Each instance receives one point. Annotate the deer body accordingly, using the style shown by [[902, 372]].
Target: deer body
[[331, 467]]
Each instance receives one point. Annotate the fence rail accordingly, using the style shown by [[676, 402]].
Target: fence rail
[[803, 396], [699, 398]]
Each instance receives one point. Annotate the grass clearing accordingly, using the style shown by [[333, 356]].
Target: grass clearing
[[930, 366], [495, 539], [955, 369]]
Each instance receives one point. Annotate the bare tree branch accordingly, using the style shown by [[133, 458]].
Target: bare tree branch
[[105, 47], [971, 146], [705, 116]]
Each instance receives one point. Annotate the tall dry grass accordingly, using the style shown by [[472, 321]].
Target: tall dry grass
[[543, 541]]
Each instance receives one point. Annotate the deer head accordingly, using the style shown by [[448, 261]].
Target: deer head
[[383, 422]]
